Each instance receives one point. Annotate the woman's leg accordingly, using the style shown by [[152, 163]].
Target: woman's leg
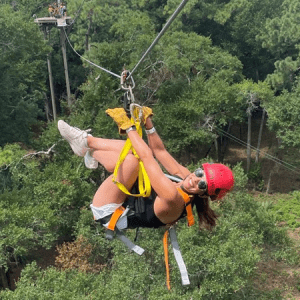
[[108, 191], [106, 151], [105, 144]]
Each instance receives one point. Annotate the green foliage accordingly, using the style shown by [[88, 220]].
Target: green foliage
[[284, 116], [22, 81], [41, 198], [24, 226], [220, 263], [255, 175], [10, 153], [288, 210], [240, 177], [280, 36], [193, 77], [53, 284]]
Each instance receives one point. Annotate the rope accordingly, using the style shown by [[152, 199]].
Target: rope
[[103, 69], [176, 12]]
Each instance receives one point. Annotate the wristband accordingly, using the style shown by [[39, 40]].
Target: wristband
[[130, 128], [151, 130]]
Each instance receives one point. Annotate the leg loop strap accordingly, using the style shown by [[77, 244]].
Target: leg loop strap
[[180, 262]]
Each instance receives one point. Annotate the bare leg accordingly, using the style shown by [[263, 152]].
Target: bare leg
[[105, 144], [106, 151], [108, 192]]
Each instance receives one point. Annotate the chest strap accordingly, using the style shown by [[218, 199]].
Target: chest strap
[[188, 207]]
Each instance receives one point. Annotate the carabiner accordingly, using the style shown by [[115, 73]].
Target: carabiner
[[125, 85], [132, 108]]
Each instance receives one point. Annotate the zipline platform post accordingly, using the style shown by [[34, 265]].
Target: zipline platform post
[[46, 23]]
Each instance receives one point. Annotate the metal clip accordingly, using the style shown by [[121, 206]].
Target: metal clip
[[140, 115], [127, 84]]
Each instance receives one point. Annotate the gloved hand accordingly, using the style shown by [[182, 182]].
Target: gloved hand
[[120, 117], [147, 112]]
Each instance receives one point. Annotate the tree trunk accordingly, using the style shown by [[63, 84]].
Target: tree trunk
[[259, 136], [269, 182], [88, 31], [4, 281], [249, 141], [276, 167], [47, 109], [64, 53], [217, 147], [225, 143], [51, 86]]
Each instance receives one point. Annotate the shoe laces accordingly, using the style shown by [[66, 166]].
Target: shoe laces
[[81, 132]]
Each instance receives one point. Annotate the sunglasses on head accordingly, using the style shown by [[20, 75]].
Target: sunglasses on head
[[202, 185]]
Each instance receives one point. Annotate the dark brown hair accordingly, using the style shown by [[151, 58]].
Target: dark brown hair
[[207, 217]]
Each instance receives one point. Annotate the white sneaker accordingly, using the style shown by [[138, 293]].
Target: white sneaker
[[77, 138], [89, 161]]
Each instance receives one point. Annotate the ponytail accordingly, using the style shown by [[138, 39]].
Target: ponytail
[[207, 217]]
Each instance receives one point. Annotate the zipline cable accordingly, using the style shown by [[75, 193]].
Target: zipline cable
[[269, 156], [77, 14], [174, 15], [273, 158], [166, 26], [103, 69]]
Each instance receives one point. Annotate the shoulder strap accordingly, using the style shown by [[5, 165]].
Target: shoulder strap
[[188, 207]]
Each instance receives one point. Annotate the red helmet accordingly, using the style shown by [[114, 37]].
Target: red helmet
[[218, 177]]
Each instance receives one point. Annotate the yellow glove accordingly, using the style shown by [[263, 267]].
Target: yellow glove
[[120, 117], [147, 112]]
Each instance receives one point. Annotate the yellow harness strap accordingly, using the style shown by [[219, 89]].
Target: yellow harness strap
[[143, 179]]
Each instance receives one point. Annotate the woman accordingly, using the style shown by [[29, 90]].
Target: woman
[[167, 203]]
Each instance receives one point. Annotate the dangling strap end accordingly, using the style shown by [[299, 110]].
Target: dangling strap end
[[166, 252], [109, 234]]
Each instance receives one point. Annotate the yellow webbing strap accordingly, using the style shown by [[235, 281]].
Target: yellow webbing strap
[[143, 179], [188, 207]]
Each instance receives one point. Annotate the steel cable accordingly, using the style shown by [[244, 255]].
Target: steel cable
[[269, 156], [103, 69], [174, 15]]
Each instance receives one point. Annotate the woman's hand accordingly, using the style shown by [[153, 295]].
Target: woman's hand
[[147, 114], [120, 117]]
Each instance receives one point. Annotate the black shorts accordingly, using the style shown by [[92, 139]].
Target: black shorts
[[143, 209]]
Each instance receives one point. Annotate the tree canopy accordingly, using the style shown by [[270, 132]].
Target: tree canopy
[[216, 62]]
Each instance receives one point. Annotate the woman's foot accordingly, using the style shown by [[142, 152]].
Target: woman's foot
[[77, 138], [89, 161]]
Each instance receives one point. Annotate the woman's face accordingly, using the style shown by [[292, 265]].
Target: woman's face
[[191, 184]]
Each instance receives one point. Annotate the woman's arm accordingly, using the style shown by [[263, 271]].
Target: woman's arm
[[161, 184], [162, 155], [169, 204]]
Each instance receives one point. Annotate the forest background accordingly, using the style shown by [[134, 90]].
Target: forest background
[[222, 68]]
